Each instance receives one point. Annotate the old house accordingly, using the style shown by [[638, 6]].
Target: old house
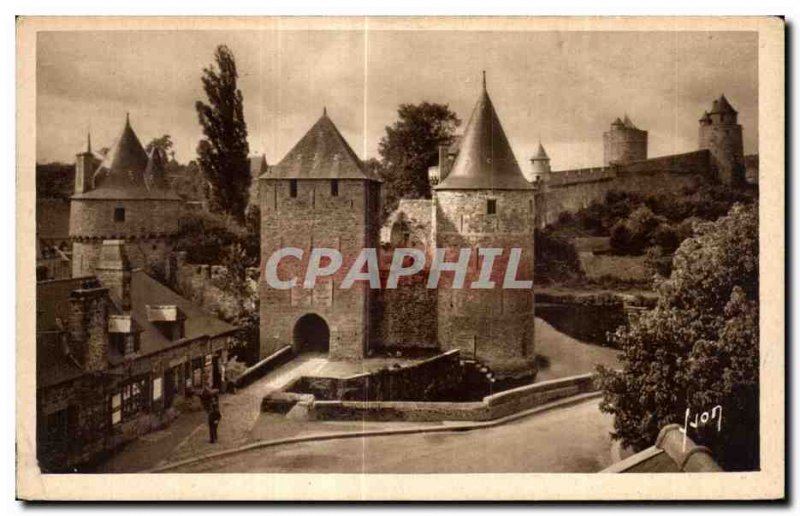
[[117, 350]]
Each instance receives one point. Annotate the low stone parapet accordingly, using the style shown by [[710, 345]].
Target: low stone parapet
[[491, 407]]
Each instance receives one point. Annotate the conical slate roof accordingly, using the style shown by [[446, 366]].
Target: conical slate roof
[[123, 172], [721, 105], [485, 160], [540, 155], [124, 164], [627, 122], [322, 153]]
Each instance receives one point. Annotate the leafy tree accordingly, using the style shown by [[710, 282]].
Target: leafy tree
[[207, 238], [188, 181], [410, 147], [55, 180], [164, 143], [698, 347], [223, 153]]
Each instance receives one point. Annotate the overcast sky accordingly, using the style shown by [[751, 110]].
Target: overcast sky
[[564, 88]]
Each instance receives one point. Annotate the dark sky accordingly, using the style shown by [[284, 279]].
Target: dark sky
[[564, 88]]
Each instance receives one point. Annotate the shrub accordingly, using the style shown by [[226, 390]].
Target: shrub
[[556, 259]]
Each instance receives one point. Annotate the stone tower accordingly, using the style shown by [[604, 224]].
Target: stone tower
[[486, 202], [540, 166], [624, 143], [319, 196], [721, 134], [124, 198]]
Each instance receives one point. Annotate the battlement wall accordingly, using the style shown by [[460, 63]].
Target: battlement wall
[[696, 162], [581, 175], [573, 190]]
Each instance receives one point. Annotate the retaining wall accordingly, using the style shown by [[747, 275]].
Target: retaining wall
[[419, 381], [491, 407]]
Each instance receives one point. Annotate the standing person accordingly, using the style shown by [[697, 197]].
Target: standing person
[[214, 416]]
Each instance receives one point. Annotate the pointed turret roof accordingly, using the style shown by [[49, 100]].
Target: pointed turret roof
[[485, 160], [617, 121], [627, 122], [540, 155], [322, 153], [124, 164], [121, 174], [721, 105]]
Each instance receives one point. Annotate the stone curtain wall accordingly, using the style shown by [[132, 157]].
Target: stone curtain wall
[[572, 190], [407, 317]]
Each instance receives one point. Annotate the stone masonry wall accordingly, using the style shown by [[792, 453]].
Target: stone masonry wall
[[572, 190], [407, 316], [494, 324], [315, 218], [147, 230]]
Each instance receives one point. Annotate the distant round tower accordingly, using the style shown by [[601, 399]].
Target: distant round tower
[[540, 166], [125, 197], [624, 143], [486, 202], [721, 134]]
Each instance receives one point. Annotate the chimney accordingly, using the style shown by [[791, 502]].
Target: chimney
[[88, 326], [114, 272], [84, 168]]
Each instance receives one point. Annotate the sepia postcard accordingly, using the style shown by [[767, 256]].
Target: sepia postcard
[[376, 258]]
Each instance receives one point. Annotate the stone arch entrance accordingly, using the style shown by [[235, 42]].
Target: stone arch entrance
[[311, 333]]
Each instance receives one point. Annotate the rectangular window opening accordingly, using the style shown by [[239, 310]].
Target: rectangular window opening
[[491, 206], [334, 187], [119, 214], [293, 187]]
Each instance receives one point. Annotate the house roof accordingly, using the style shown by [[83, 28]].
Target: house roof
[[53, 365], [147, 291], [52, 298], [322, 153], [485, 160], [123, 172]]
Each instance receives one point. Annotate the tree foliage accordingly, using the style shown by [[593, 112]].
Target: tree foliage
[[410, 147], [223, 153], [214, 239], [698, 347], [55, 180], [164, 143]]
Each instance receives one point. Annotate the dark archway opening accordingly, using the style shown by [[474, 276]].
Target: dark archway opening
[[311, 334]]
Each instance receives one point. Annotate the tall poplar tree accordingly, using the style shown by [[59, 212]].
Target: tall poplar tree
[[223, 153]]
